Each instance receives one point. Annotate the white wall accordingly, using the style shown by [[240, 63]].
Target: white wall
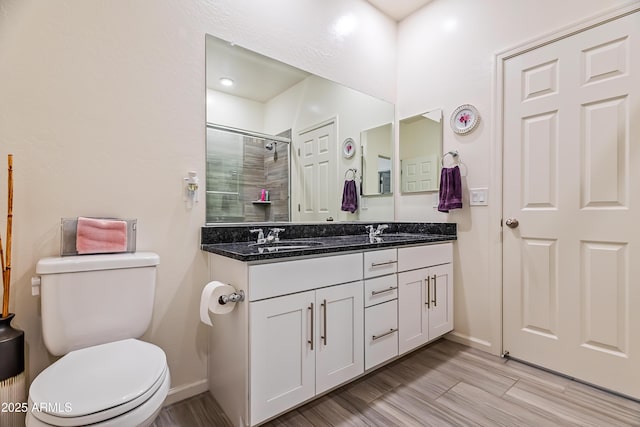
[[446, 58], [234, 111], [103, 105]]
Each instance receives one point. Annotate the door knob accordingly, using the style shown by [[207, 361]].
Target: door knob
[[512, 223]]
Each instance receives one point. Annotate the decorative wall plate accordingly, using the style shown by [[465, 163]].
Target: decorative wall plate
[[348, 148], [464, 119]]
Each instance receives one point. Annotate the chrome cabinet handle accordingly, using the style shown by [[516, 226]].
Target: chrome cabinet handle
[[378, 264], [428, 291], [383, 291], [377, 337], [435, 292], [324, 308], [311, 340]]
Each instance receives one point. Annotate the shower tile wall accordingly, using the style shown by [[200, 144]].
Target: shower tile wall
[[262, 171], [238, 168], [253, 179], [277, 180]]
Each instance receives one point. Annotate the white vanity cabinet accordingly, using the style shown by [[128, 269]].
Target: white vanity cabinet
[[302, 345], [425, 294], [310, 324]]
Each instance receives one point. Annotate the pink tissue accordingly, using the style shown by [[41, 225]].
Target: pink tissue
[[96, 236]]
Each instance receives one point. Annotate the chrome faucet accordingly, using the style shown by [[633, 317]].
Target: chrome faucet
[[273, 235], [373, 234], [261, 238]]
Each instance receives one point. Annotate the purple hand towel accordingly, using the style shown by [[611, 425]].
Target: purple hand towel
[[450, 189], [349, 196]]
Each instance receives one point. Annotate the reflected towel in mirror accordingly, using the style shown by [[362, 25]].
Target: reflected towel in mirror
[[350, 196]]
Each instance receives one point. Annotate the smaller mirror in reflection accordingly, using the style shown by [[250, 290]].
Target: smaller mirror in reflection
[[377, 149], [420, 152]]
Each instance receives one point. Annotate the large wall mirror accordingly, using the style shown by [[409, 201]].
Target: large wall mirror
[[275, 145], [420, 152]]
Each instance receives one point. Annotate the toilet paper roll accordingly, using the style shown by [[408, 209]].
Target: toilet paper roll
[[209, 300]]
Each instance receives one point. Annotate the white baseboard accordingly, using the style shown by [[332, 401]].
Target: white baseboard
[[186, 391], [471, 342]]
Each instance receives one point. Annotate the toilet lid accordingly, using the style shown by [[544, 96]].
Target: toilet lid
[[109, 377]]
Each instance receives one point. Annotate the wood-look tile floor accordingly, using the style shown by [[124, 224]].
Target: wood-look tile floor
[[443, 384]]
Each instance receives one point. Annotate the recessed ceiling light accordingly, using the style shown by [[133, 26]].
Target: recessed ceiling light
[[225, 81]]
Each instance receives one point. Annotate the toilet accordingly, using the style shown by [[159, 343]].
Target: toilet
[[93, 309]]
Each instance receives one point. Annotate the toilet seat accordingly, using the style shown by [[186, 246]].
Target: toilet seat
[[99, 383]]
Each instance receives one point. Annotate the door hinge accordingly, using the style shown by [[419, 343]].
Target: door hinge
[[500, 222], [298, 152], [298, 207]]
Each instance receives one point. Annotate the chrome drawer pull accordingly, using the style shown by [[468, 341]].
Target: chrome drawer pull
[[375, 337], [378, 264], [428, 291], [311, 340], [435, 295], [324, 307], [383, 291]]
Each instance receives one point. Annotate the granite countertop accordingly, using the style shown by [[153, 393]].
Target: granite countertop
[[234, 242]]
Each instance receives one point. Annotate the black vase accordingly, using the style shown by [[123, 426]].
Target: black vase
[[11, 349]]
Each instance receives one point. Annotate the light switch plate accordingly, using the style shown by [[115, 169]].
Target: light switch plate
[[478, 196]]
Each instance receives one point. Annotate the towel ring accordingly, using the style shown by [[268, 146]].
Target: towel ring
[[453, 153], [346, 173]]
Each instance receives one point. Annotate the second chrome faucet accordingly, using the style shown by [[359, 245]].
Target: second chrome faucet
[[374, 234]]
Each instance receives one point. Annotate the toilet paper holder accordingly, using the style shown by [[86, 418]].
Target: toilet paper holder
[[234, 297]]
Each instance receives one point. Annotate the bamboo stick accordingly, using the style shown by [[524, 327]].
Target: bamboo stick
[[6, 277], [4, 280]]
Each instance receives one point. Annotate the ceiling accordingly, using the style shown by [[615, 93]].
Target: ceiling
[[260, 78], [256, 77], [399, 9]]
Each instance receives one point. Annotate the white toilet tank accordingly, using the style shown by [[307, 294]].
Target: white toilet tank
[[95, 299]]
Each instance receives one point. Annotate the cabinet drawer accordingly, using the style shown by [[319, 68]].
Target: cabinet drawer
[[424, 256], [379, 263], [380, 289], [281, 278], [380, 333]]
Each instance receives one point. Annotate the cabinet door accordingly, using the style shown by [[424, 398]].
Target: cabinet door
[[413, 309], [441, 304], [282, 360], [340, 334]]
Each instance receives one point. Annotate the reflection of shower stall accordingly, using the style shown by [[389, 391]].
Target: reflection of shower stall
[[239, 165]]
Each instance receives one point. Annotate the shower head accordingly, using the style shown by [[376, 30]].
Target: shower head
[[269, 146]]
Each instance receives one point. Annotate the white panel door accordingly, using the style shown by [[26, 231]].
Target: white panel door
[[419, 174], [571, 274], [339, 334], [282, 356], [318, 193]]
